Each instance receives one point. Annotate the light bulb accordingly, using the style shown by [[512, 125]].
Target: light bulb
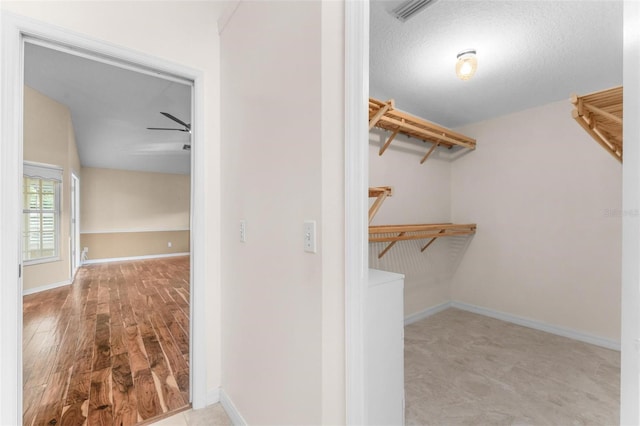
[[467, 64]]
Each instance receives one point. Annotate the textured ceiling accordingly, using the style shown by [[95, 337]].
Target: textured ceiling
[[529, 53], [112, 107]]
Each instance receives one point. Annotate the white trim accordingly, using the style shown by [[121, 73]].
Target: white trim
[[124, 259], [630, 297], [425, 313], [233, 413], [525, 322], [356, 204], [46, 287], [74, 226], [131, 230], [107, 58], [199, 258], [39, 260], [14, 29], [42, 171], [213, 396], [539, 325], [11, 88]]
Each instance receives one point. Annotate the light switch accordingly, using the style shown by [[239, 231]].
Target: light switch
[[243, 231], [310, 236]]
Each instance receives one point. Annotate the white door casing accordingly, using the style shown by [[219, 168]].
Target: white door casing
[[356, 203], [74, 245], [14, 30]]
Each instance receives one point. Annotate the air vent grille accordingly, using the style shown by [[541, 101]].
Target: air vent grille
[[408, 9]]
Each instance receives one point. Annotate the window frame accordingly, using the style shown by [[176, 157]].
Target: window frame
[[47, 172]]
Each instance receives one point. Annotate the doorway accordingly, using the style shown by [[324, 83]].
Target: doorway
[[630, 285], [15, 32], [95, 117]]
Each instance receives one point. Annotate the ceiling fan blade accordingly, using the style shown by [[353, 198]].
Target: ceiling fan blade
[[177, 120], [166, 128]]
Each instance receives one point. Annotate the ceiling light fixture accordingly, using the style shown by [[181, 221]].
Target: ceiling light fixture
[[467, 64]]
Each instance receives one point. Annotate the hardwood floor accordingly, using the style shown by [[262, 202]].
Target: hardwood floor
[[112, 348]]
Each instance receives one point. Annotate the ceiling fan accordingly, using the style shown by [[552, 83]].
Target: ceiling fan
[[186, 128]]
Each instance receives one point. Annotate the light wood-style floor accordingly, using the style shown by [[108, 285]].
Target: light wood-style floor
[[467, 369], [112, 348]]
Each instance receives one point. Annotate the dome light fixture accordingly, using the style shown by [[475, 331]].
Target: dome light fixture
[[467, 64]]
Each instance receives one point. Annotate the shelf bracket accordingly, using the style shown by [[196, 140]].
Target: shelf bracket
[[430, 242], [388, 142], [388, 247], [433, 147], [381, 193]]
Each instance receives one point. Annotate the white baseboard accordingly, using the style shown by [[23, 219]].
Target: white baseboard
[[232, 411], [538, 325], [45, 287], [124, 259], [212, 397], [132, 230], [410, 319]]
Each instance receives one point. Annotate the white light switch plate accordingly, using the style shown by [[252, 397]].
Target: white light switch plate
[[310, 236], [243, 231]]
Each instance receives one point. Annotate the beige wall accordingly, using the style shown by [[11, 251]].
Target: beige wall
[[128, 201], [547, 200], [114, 245], [422, 194], [49, 138], [182, 32], [125, 213]]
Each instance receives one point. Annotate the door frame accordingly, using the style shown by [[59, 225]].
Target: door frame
[[74, 255], [14, 30], [356, 205]]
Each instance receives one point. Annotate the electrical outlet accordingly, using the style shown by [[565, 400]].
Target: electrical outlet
[[169, 244], [310, 236], [85, 249]]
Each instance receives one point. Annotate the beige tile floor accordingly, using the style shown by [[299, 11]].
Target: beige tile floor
[[213, 415], [467, 369]]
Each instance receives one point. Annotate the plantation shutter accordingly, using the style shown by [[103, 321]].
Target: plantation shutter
[[41, 211]]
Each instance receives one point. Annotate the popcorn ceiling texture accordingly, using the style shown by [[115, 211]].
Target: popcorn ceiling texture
[[530, 53]]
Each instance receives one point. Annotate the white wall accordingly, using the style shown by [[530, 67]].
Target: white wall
[[276, 151], [547, 200], [422, 194], [182, 32]]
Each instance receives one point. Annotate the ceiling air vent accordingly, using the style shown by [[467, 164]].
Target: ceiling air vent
[[409, 8]]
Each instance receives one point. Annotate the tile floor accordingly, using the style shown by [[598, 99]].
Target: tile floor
[[213, 415], [467, 369]]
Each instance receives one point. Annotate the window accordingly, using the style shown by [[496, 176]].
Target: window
[[41, 213]]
